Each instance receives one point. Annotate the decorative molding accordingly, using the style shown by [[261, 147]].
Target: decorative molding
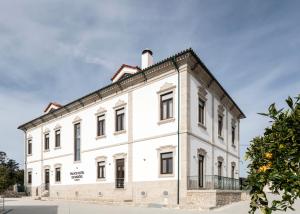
[[201, 151], [233, 122], [166, 87], [46, 167], [100, 158], [202, 93], [119, 104], [221, 110], [120, 155], [77, 119], [29, 137], [166, 148], [233, 163], [46, 131], [57, 127], [220, 158], [101, 110], [57, 165]]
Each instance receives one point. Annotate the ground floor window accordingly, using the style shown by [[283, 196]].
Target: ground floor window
[[120, 173], [29, 177], [57, 174], [166, 163], [101, 170]]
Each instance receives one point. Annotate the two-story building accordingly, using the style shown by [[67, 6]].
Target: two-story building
[[166, 133]]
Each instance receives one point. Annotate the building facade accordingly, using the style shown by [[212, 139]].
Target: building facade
[[166, 133]]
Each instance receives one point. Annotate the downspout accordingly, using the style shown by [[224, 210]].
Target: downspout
[[178, 126]]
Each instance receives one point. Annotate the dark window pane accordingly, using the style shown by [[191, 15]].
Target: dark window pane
[[120, 114], [166, 160], [77, 142], [57, 138], [166, 106]]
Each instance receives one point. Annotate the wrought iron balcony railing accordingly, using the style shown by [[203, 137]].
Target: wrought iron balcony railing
[[213, 182]]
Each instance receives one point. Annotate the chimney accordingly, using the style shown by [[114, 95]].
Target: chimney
[[147, 58]]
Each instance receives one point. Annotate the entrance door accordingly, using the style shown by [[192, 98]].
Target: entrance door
[[120, 173], [47, 179], [200, 171]]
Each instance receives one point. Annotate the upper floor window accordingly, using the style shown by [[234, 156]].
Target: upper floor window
[[101, 169], [29, 147], [29, 177], [57, 174], [120, 115], [166, 106], [233, 135], [101, 125], [201, 112], [47, 142], [77, 142], [57, 138], [232, 171], [220, 125], [166, 163]]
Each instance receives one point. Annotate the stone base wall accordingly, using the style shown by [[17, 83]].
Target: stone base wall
[[208, 199], [156, 193]]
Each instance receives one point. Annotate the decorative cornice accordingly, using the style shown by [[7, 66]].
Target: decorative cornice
[[166, 148], [220, 158], [221, 110], [201, 151], [119, 104], [233, 163], [166, 87], [77, 119], [202, 93], [120, 155], [100, 158], [57, 127]]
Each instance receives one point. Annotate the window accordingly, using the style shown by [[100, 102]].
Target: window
[[233, 135], [101, 125], [29, 149], [201, 112], [220, 125], [120, 114], [166, 106], [232, 171], [101, 169], [57, 174], [46, 145], [57, 138], [200, 169], [166, 163], [29, 177], [77, 142], [220, 168]]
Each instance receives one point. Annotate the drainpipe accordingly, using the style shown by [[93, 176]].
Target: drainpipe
[[178, 126]]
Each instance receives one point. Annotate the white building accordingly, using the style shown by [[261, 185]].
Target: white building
[[166, 133]]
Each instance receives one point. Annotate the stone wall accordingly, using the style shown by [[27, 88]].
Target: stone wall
[[207, 199]]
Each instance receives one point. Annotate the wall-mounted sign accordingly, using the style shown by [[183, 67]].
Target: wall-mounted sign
[[76, 176]]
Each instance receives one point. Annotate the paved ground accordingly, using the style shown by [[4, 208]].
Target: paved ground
[[29, 206]]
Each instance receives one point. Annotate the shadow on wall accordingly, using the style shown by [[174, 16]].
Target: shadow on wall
[[30, 210]]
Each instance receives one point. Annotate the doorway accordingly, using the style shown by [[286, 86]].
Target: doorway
[[200, 171], [120, 175], [47, 179]]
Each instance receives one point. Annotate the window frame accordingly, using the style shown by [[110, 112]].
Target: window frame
[[101, 167], [29, 177], [203, 122], [77, 156], [57, 133], [233, 129], [169, 109], [169, 169], [47, 141], [57, 169], [29, 147], [117, 117], [220, 125], [98, 132]]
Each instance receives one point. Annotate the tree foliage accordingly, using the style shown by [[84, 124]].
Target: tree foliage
[[275, 160], [10, 173]]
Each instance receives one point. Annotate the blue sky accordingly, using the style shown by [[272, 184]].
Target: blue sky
[[61, 50]]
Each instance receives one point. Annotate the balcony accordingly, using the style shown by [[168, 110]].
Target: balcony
[[210, 182]]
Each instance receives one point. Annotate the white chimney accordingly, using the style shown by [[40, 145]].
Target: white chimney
[[147, 58]]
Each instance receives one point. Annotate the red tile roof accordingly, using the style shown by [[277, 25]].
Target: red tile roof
[[52, 103]]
